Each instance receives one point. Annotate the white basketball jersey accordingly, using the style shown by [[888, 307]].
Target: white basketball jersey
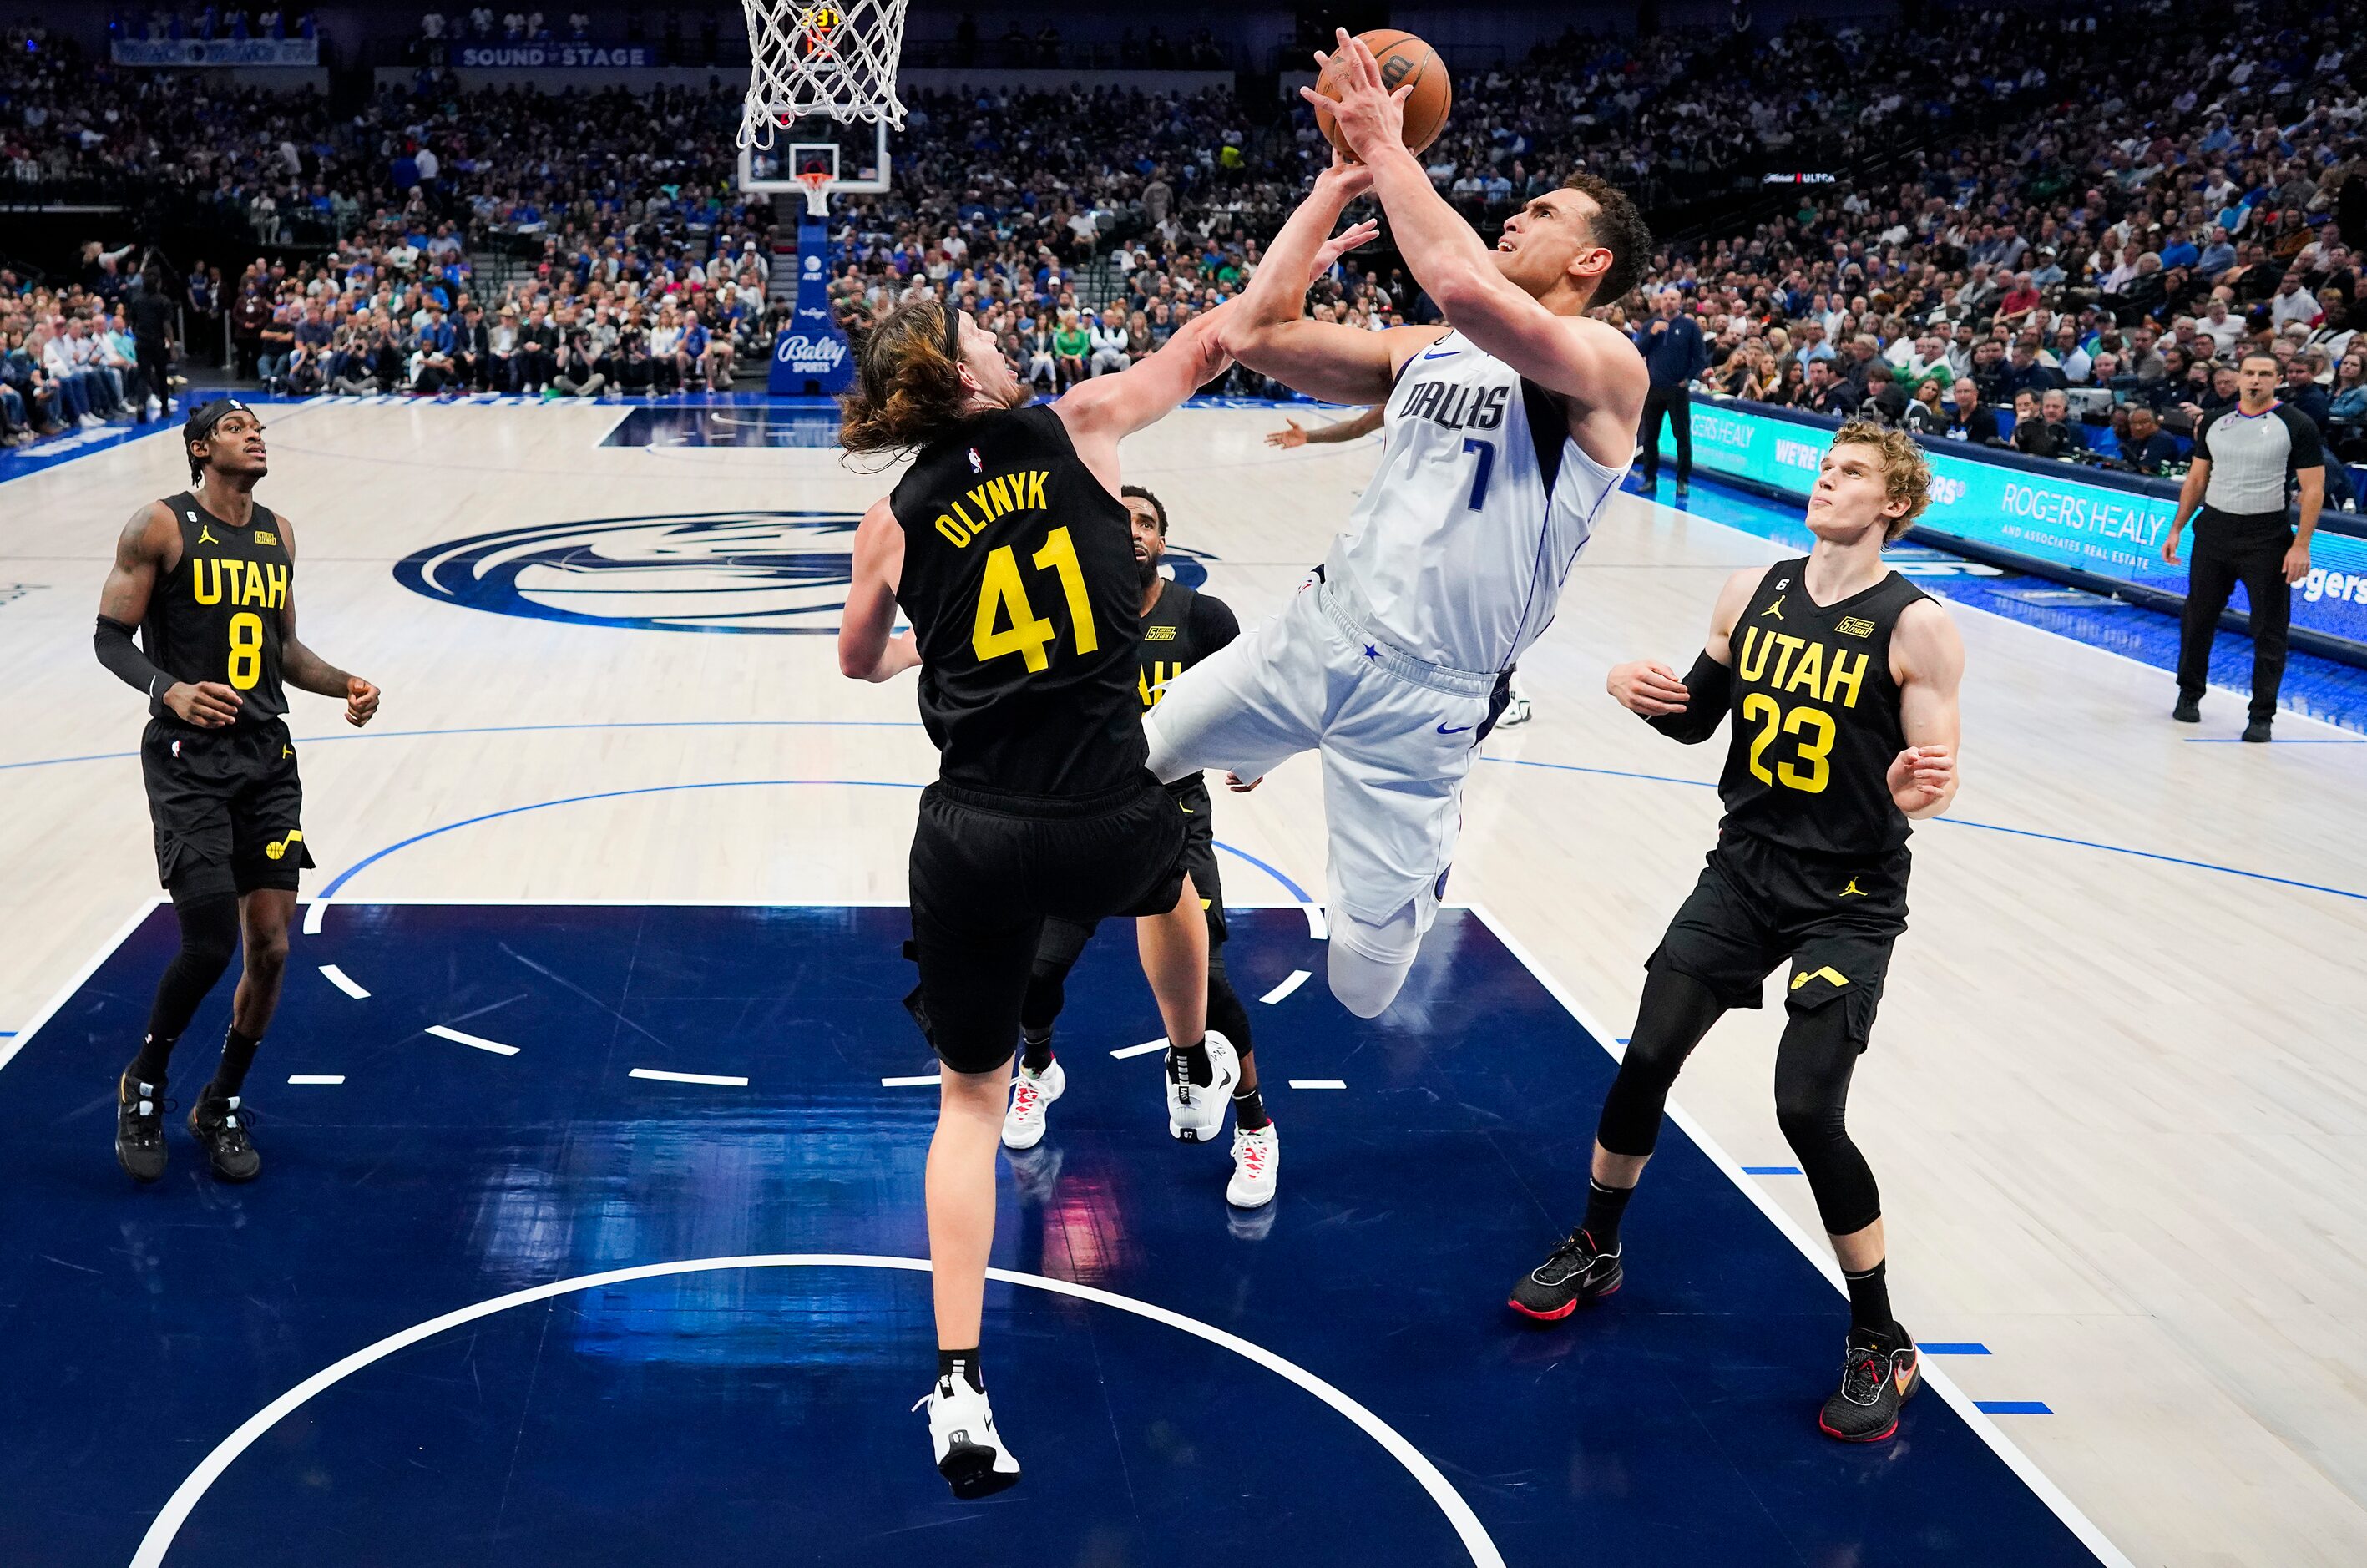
[[1482, 501]]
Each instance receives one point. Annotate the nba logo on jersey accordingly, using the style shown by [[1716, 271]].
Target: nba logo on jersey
[[977, 465]]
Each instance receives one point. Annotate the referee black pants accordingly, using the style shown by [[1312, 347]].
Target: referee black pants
[[1677, 404], [156, 369], [2230, 549]]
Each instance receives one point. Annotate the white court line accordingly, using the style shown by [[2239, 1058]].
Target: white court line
[[158, 1542], [496, 1047], [718, 1079], [1988, 1431], [1315, 926], [344, 982], [9, 1047], [1298, 977], [1319, 1083], [1145, 1049], [314, 910], [913, 1082], [320, 1078]]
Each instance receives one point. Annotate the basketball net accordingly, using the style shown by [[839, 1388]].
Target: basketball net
[[817, 185], [835, 58]]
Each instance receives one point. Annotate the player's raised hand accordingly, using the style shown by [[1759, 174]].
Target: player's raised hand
[[1292, 434], [207, 704], [1341, 180], [1370, 117], [361, 701], [1647, 687], [1922, 776], [1340, 244]]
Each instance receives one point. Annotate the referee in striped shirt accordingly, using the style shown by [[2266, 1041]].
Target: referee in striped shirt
[[2244, 457]]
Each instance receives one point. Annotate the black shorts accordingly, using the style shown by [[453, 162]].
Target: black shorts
[[1758, 904], [227, 806], [988, 869], [1064, 939]]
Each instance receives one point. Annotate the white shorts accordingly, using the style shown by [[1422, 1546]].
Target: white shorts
[[1395, 737]]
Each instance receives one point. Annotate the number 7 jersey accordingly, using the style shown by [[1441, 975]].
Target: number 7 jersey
[[216, 616], [1460, 544], [1815, 716], [1020, 583]]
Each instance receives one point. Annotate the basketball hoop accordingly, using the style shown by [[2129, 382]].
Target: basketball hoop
[[835, 58]]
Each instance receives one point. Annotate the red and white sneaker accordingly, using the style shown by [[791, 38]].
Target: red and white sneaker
[[1030, 1095], [1257, 1163]]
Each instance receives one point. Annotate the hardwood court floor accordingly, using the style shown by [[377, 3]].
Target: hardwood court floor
[[2115, 1102]]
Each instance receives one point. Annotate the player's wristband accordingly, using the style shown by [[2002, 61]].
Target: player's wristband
[[1708, 687], [119, 653]]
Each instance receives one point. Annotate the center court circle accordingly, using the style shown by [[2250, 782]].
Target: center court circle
[[186, 1496]]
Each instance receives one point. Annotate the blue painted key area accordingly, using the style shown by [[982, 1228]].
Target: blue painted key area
[[756, 1411]]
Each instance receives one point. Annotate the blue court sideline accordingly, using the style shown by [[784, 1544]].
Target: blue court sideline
[[756, 1410]]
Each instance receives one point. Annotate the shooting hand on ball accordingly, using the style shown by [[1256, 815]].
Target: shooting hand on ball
[[1370, 117]]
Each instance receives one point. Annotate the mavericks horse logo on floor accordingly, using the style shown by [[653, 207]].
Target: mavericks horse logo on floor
[[732, 571]]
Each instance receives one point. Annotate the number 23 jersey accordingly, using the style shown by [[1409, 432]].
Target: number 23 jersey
[[1020, 583], [1815, 716], [216, 617]]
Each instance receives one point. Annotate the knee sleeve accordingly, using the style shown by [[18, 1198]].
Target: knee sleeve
[[1226, 1014], [209, 941], [1057, 951], [1677, 1011], [1812, 1077], [1368, 962]]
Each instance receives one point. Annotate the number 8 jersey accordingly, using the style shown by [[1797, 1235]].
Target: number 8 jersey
[[216, 617], [1815, 716], [1020, 583]]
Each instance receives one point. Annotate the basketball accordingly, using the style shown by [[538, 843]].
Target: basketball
[[1404, 57]]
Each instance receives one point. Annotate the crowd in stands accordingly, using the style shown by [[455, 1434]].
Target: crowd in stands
[[2105, 206]]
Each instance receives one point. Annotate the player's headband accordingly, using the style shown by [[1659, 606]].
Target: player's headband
[[202, 424]]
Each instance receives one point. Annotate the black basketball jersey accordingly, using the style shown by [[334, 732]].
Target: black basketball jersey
[[217, 614], [1182, 628], [1020, 583], [1815, 716]]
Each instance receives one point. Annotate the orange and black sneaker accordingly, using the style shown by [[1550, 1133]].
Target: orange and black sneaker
[[1880, 1372], [1575, 1272]]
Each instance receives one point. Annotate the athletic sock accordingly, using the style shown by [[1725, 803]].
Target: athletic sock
[[238, 1055], [1249, 1110], [1604, 1205], [1196, 1066], [148, 1067], [1869, 1295], [1035, 1050], [962, 1364]]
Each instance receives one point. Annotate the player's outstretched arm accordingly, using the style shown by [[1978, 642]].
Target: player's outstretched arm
[[141, 552], [1927, 659], [307, 671], [1589, 362], [1103, 411], [1690, 710], [1267, 329], [866, 651]]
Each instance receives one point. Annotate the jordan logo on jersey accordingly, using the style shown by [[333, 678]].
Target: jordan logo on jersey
[[1853, 890], [1775, 608], [206, 535]]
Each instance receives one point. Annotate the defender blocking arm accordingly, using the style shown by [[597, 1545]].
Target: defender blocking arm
[[865, 649], [1269, 333], [307, 671]]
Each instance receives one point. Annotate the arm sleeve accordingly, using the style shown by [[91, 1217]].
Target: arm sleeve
[[1710, 685], [119, 653], [1213, 624]]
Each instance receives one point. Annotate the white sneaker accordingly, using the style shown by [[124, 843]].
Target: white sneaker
[[1517, 711], [971, 1453], [154, 408], [90, 422], [1257, 1161], [1196, 1112], [1031, 1095]]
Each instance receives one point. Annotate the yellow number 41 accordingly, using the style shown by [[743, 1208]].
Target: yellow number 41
[[1028, 635]]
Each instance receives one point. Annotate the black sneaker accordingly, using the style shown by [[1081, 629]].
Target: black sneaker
[[1880, 1374], [139, 1128], [1574, 1272], [2188, 711], [2257, 732], [221, 1126]]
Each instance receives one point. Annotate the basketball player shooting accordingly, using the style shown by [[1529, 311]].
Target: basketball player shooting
[[1507, 430]]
